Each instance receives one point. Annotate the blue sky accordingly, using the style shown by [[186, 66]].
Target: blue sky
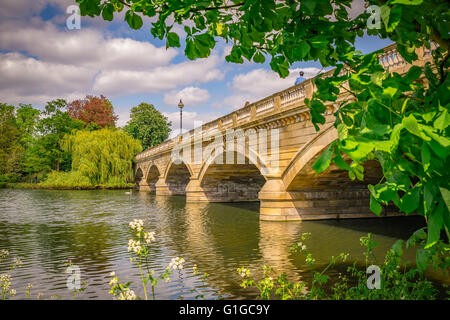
[[40, 60]]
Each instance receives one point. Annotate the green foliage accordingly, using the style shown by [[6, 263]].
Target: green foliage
[[398, 281], [69, 180], [45, 153], [103, 156], [11, 149], [147, 125]]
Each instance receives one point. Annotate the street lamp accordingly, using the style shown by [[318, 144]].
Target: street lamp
[[181, 105]]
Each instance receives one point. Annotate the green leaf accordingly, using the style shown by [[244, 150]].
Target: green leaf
[[410, 201], [423, 259], [394, 18], [133, 20], [446, 196], [385, 12], [280, 65], [259, 57], [375, 207], [361, 151], [301, 50], [319, 42], [410, 123], [417, 236], [107, 12], [397, 247], [408, 2], [435, 223], [339, 161], [426, 156], [342, 131], [443, 121], [173, 40], [324, 160], [413, 73], [190, 50], [316, 110]]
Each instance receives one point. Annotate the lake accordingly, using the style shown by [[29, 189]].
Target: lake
[[46, 228]]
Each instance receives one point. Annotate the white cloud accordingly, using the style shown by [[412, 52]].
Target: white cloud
[[189, 120], [84, 47], [158, 79], [55, 63], [190, 96], [29, 80], [124, 116], [260, 83]]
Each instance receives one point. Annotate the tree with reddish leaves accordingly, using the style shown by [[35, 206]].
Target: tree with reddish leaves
[[93, 110]]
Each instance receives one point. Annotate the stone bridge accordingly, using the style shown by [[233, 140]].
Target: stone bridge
[[265, 152]]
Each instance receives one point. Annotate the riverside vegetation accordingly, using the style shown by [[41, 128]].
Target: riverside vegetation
[[74, 145]]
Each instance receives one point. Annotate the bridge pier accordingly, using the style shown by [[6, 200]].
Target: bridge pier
[[194, 192], [161, 188], [276, 204], [143, 186]]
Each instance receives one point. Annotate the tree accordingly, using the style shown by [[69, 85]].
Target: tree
[[147, 125], [393, 119], [103, 156], [27, 118], [94, 111], [10, 147], [52, 127]]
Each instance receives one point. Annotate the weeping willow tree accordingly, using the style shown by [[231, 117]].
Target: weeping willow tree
[[102, 156]]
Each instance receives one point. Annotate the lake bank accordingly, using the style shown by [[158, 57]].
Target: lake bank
[[27, 185]]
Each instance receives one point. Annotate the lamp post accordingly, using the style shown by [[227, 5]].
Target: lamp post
[[181, 105]]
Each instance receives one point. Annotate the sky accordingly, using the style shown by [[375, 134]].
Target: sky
[[41, 60]]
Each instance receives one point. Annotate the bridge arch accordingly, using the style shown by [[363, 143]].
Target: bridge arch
[[152, 176], [177, 176], [300, 176], [251, 155], [310, 150], [138, 176], [232, 182]]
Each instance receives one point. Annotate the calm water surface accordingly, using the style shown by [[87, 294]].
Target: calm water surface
[[47, 228]]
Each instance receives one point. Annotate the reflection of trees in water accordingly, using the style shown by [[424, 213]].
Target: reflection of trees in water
[[87, 245]]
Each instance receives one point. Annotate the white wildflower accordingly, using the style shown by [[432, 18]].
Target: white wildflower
[[137, 225], [128, 294], [134, 246], [176, 263], [149, 237]]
